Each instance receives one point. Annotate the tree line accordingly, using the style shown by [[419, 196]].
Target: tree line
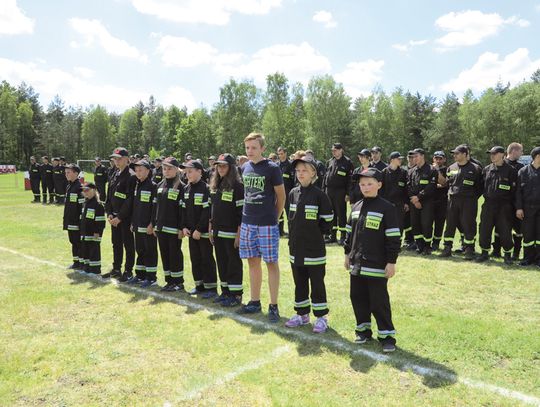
[[287, 113]]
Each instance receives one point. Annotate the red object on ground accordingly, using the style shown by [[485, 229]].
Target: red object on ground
[[27, 185]]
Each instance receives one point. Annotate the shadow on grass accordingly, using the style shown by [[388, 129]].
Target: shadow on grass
[[458, 259], [362, 357]]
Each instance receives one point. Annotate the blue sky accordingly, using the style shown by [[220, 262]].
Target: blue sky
[[119, 51]]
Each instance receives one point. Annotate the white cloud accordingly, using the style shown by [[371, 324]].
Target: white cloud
[[325, 17], [409, 45], [298, 62], [49, 82], [179, 96], [12, 19], [471, 27], [490, 68], [358, 78], [84, 72], [94, 32], [214, 12]]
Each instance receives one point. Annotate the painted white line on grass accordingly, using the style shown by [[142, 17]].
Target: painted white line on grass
[[401, 363], [198, 392]]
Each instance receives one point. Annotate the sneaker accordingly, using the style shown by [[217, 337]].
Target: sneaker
[[388, 347], [208, 295], [177, 287], [508, 259], [426, 251], [220, 298], [72, 267], [195, 291], [232, 301], [273, 313], [320, 326], [330, 240], [148, 283], [112, 274], [125, 277], [166, 287], [496, 254], [459, 250], [341, 242], [250, 308], [361, 338], [411, 247], [447, 252], [482, 258], [134, 280], [297, 320], [469, 254], [525, 263]]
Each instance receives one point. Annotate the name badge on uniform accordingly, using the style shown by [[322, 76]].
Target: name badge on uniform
[[505, 187], [120, 195], [401, 184], [373, 220], [145, 196], [197, 199], [172, 194], [73, 197], [285, 175], [468, 182], [342, 173], [311, 212], [227, 196], [90, 214]]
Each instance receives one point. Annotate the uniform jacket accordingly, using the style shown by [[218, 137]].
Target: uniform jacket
[[143, 201], [120, 194], [92, 220], [167, 209], [73, 205], [226, 211]]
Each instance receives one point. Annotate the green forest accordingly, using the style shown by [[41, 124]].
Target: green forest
[[287, 113]]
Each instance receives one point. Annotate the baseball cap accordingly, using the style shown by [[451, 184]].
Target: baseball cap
[[120, 152], [462, 148], [171, 161], [496, 149], [193, 164], [225, 159], [73, 167], [364, 152], [143, 163], [395, 154], [376, 149], [439, 154], [534, 152], [88, 185], [337, 146], [419, 151], [371, 172], [306, 160]]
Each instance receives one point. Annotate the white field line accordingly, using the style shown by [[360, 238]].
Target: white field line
[[401, 363]]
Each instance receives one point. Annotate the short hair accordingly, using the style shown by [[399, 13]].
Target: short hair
[[282, 149], [514, 146], [309, 151], [299, 154], [255, 136]]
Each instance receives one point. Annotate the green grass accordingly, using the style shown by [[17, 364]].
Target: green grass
[[70, 340]]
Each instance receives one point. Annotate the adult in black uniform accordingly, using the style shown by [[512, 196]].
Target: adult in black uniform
[[288, 182], [59, 179], [47, 181], [514, 151], [394, 186], [407, 228], [376, 159], [464, 189], [119, 207], [35, 179], [364, 157], [337, 184], [499, 179], [440, 201], [101, 177], [157, 172], [421, 185], [528, 208]]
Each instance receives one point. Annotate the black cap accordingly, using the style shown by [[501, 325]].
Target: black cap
[[462, 148], [419, 151], [120, 152], [395, 154], [376, 149], [337, 146], [73, 167], [306, 160], [193, 164], [97, 159], [534, 152], [171, 161], [56, 159], [439, 154], [410, 153], [496, 149], [45, 157], [188, 156], [143, 163], [226, 159], [371, 172], [365, 152], [212, 157], [159, 159], [88, 185], [62, 158]]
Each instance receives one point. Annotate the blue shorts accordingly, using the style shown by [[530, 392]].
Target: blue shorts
[[259, 241]]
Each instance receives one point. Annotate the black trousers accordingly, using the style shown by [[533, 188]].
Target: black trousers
[[285, 212], [122, 240], [498, 215], [461, 213], [47, 185], [203, 265], [339, 206], [59, 191], [35, 188], [531, 233], [517, 236], [422, 224], [229, 265], [303, 276], [101, 190], [147, 256], [74, 237], [439, 217], [407, 228], [172, 258], [369, 296], [91, 256]]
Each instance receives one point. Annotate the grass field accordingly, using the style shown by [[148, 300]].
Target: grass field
[[468, 334]]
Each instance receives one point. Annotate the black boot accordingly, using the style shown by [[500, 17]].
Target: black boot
[[483, 257], [469, 253], [447, 252], [508, 259]]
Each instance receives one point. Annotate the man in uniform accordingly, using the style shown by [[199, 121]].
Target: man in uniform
[[47, 182], [440, 201], [337, 182], [364, 157], [407, 228], [376, 159], [499, 179], [394, 186], [464, 189], [528, 208], [157, 172], [35, 179], [60, 182], [101, 177]]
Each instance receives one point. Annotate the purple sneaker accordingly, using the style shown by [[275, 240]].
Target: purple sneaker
[[297, 320], [320, 326]]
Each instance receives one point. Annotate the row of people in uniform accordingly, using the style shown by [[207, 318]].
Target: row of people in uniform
[[232, 218], [434, 200], [48, 180]]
